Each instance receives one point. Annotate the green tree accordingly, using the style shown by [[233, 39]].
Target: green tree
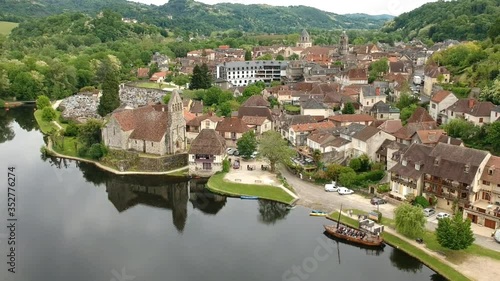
[[455, 233], [493, 136], [247, 144], [463, 129], [201, 78], [110, 99], [89, 133], [153, 68], [407, 112], [181, 80], [406, 100], [166, 98], [4, 84], [491, 93], [410, 220], [265, 57], [348, 109], [42, 102], [274, 148], [48, 114], [248, 55], [316, 156], [227, 107], [378, 68], [293, 57], [280, 57]]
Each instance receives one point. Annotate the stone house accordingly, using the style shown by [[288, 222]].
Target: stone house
[[495, 114], [432, 75], [357, 76], [195, 125], [287, 121], [477, 112], [367, 141], [440, 101], [384, 111], [158, 77], [314, 108], [297, 135], [369, 96], [158, 129], [259, 124], [206, 153], [232, 128]]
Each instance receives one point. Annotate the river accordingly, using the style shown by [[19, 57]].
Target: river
[[78, 223]]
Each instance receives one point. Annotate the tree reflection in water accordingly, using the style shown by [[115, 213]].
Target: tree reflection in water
[[404, 262], [271, 211], [6, 132]]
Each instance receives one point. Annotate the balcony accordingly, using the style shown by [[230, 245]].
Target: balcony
[[484, 208], [204, 158], [445, 183], [463, 200], [404, 181]]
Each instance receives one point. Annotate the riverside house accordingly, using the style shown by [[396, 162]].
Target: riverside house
[[206, 153]]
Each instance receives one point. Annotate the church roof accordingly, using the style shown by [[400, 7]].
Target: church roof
[[304, 33], [146, 123]]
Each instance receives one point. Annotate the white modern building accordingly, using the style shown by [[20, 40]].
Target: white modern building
[[243, 73]]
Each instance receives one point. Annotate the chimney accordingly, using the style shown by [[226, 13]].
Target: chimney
[[377, 91], [471, 103]]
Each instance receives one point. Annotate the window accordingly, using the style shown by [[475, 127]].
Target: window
[[381, 116], [480, 120], [207, 124], [486, 182], [434, 105], [152, 144]]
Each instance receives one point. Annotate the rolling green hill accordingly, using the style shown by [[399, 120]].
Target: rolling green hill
[[6, 27], [459, 19], [198, 17]]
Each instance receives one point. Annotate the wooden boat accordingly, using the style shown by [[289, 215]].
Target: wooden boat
[[345, 232], [317, 213], [247, 197], [367, 240]]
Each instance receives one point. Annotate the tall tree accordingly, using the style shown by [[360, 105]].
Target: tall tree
[[196, 78], [207, 78], [455, 233], [410, 220], [89, 133], [247, 144], [201, 78], [348, 109], [248, 55], [110, 99], [274, 148]]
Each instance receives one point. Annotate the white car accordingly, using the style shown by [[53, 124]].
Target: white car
[[345, 191], [230, 150], [331, 187], [442, 215]]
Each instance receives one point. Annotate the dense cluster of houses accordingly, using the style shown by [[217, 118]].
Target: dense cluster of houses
[[420, 158]]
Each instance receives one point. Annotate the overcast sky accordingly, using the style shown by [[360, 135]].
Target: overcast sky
[[372, 7]]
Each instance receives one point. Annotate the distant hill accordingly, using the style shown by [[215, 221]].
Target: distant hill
[[460, 20], [198, 17]]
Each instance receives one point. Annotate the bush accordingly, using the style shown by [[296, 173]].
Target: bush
[[420, 200], [383, 188], [48, 114], [226, 165], [71, 130], [82, 151], [2, 103], [373, 176], [42, 102], [97, 151]]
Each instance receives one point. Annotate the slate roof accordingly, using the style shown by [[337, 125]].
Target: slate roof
[[312, 103], [197, 107], [416, 153], [366, 133], [472, 107], [450, 140], [209, 142], [254, 120], [390, 126], [397, 66], [410, 129], [382, 107], [324, 89], [452, 161], [352, 129]]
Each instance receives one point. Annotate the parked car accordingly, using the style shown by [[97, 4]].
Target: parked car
[[429, 212], [236, 152], [254, 155], [442, 215], [377, 201], [345, 191], [230, 150], [331, 187], [236, 164]]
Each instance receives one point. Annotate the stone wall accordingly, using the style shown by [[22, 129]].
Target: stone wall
[[135, 96], [123, 160]]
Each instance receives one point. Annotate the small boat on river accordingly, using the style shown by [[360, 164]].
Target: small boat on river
[[247, 197], [354, 235], [317, 213]]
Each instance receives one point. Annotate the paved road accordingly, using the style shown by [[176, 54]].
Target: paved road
[[314, 196]]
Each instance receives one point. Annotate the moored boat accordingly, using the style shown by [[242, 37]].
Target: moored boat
[[317, 213], [354, 235], [249, 197]]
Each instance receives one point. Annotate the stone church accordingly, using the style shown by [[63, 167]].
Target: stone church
[[154, 129], [304, 40]]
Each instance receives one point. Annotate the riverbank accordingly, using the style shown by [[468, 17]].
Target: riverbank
[[218, 184], [429, 258], [181, 172]]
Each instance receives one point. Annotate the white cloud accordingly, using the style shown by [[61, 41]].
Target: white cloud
[[373, 7]]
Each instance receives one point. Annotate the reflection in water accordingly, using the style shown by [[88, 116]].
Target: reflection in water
[[6, 132], [271, 211], [403, 261]]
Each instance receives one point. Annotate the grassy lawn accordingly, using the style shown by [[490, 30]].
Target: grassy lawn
[[292, 108], [217, 184], [6, 27], [46, 127], [150, 85], [385, 221], [432, 262], [66, 147]]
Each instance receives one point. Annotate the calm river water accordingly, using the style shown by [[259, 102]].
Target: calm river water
[[78, 223]]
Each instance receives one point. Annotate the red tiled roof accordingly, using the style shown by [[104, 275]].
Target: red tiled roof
[[309, 127], [357, 74], [352, 118], [440, 96], [233, 125], [420, 115], [146, 123]]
